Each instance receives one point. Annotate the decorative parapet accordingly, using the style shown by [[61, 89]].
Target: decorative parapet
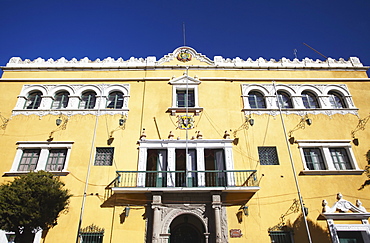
[[218, 61], [343, 206], [352, 62], [344, 210]]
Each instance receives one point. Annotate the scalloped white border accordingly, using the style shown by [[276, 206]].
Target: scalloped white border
[[218, 61]]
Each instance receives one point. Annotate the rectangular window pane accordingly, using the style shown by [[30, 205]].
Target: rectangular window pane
[[104, 156], [281, 237], [29, 160], [182, 100], [350, 237], [340, 159], [314, 159], [56, 160], [92, 237], [268, 156]]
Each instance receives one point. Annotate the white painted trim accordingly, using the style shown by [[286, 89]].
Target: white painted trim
[[75, 91], [216, 79], [184, 189], [44, 153], [199, 145], [324, 146], [3, 238]]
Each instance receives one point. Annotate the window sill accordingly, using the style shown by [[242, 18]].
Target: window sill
[[299, 111], [19, 173], [195, 110], [69, 112], [331, 172]]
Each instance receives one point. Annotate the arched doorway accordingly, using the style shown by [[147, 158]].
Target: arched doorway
[[187, 228]]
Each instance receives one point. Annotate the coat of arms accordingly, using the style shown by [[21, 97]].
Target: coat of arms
[[185, 122], [184, 56]]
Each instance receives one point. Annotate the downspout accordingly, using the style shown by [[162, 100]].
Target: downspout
[[89, 168], [292, 164]]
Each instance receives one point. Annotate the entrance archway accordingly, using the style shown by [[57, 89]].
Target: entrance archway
[[187, 228]]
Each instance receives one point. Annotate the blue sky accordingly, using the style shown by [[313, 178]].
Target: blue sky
[[141, 28]]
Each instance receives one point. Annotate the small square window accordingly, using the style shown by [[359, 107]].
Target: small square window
[[268, 156], [104, 156]]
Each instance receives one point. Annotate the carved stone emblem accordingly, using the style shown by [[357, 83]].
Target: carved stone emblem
[[184, 56]]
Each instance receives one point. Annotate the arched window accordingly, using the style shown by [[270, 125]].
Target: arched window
[[60, 100], [284, 100], [336, 100], [309, 100], [88, 100], [256, 100], [33, 100], [115, 100]]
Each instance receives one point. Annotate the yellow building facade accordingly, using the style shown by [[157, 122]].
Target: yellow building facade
[[188, 149]]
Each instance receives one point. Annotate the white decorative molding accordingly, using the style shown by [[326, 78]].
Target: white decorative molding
[[344, 206], [170, 56], [218, 61], [75, 91], [321, 91], [345, 210]]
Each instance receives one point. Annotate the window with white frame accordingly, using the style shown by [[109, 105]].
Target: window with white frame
[[60, 100], [204, 163], [328, 156], [185, 95], [71, 99], [33, 100], [297, 98], [284, 99], [309, 100], [35, 156], [115, 100], [256, 100], [336, 100], [88, 100], [185, 98]]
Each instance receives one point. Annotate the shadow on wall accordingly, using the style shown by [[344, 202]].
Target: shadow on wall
[[318, 234], [367, 171]]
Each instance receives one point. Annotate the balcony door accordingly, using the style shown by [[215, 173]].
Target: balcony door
[[156, 163], [184, 178], [215, 167]]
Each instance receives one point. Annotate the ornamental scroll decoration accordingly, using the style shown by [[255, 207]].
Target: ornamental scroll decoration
[[92, 229], [343, 206]]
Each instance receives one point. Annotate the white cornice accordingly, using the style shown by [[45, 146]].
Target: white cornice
[[16, 63], [200, 78]]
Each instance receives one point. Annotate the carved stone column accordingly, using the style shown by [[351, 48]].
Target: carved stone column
[[216, 205], [156, 206]]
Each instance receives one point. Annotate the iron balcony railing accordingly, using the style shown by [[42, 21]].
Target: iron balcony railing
[[207, 178]]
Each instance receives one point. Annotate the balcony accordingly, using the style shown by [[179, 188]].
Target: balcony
[[132, 185]]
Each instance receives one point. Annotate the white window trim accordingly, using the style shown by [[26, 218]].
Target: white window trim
[[325, 145], [364, 228], [295, 91], [198, 145], [44, 154], [75, 91], [3, 238], [182, 83]]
